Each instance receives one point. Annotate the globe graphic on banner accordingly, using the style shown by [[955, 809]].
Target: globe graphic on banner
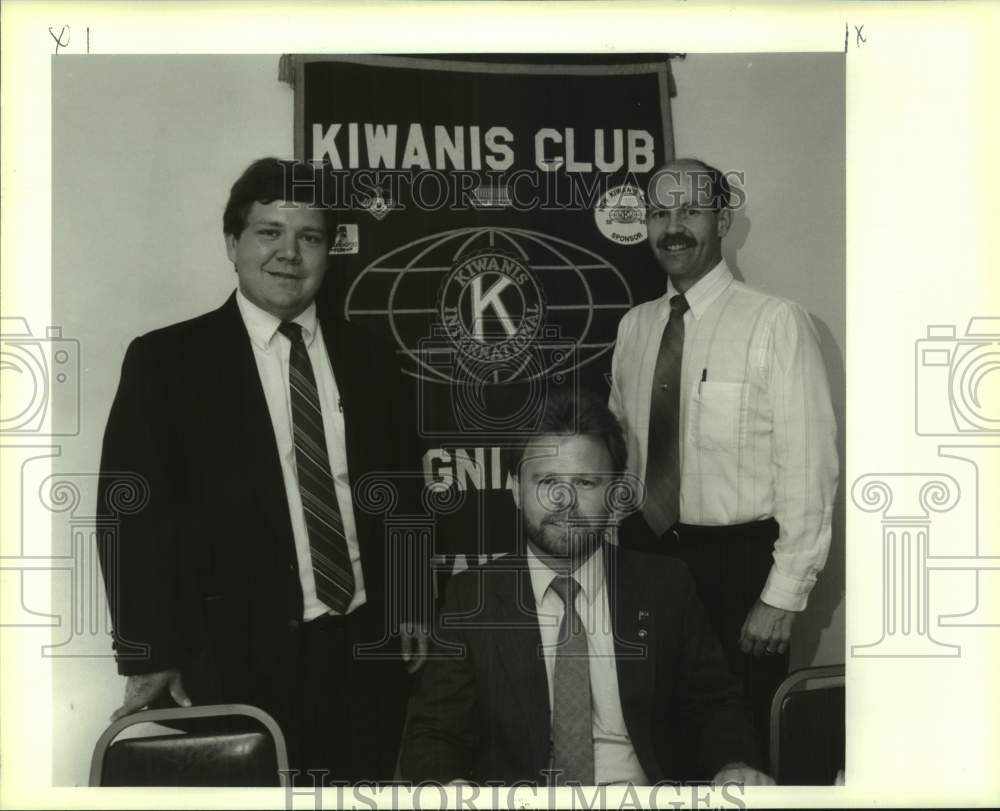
[[491, 305]]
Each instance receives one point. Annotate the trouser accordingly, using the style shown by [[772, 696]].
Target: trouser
[[347, 710], [341, 712], [730, 566]]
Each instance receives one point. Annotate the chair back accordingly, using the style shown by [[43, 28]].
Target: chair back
[[220, 745], [807, 727]]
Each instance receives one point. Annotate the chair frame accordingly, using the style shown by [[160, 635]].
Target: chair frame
[[791, 683], [186, 713]]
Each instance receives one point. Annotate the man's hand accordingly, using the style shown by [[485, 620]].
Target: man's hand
[[142, 689], [414, 640], [766, 630], [742, 774]]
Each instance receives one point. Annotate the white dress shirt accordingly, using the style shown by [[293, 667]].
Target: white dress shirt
[[271, 350], [759, 436], [615, 760]]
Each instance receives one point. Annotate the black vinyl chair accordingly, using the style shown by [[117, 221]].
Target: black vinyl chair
[[807, 727], [225, 745]]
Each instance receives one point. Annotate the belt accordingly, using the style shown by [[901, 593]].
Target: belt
[[325, 622], [690, 534]]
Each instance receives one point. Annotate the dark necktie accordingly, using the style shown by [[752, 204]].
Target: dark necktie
[[327, 543], [663, 474], [572, 712]]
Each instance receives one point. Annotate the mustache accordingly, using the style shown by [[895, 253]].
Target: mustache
[[670, 240], [577, 520]]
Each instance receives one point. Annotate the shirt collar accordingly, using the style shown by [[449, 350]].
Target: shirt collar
[[702, 293], [262, 326], [590, 575]]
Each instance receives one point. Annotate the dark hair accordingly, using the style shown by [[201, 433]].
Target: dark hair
[[269, 179], [583, 414], [718, 184]]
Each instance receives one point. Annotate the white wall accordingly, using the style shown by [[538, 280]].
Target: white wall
[[145, 150], [780, 119]]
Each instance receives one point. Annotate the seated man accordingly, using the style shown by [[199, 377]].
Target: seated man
[[625, 684]]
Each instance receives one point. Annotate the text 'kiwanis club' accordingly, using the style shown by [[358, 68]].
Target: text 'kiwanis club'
[[386, 146]]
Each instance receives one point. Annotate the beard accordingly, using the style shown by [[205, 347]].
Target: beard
[[572, 540]]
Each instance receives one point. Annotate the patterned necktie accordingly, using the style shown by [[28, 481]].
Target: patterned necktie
[[663, 474], [327, 543], [572, 712]]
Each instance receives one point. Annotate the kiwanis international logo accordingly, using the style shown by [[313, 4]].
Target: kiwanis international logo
[[491, 306], [484, 304]]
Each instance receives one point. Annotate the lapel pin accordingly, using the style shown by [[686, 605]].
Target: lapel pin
[[643, 614]]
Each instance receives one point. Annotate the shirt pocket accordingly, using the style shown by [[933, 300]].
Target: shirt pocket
[[716, 415]]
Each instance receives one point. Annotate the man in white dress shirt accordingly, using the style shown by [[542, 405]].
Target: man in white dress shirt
[[725, 402]]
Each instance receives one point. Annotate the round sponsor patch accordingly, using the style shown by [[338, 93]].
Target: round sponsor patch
[[621, 214]]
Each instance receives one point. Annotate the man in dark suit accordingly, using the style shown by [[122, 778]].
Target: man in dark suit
[[250, 571], [576, 661]]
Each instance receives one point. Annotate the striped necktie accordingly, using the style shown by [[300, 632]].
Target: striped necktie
[[331, 561], [572, 710], [663, 473]]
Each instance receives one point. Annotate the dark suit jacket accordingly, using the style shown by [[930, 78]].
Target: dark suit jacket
[[484, 714], [204, 576]]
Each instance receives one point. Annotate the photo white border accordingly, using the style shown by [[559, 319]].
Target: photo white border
[[921, 732]]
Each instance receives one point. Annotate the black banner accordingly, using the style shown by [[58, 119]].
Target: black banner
[[492, 227]]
